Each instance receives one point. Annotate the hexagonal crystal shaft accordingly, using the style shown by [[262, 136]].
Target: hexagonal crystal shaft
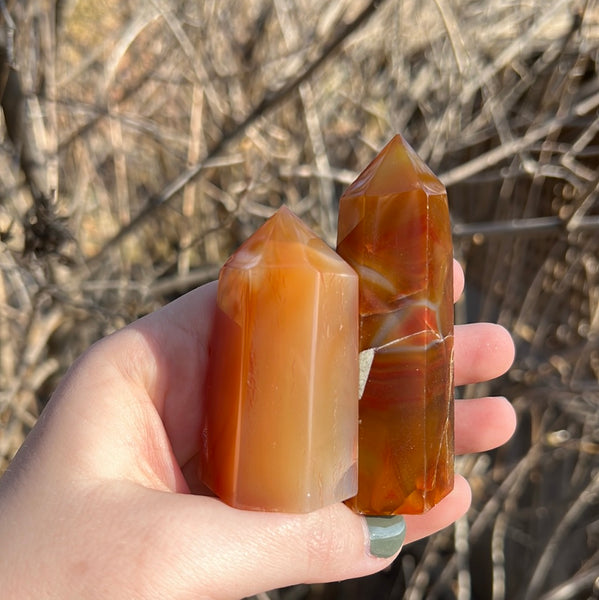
[[394, 229], [281, 405]]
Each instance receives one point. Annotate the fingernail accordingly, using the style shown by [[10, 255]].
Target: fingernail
[[387, 535]]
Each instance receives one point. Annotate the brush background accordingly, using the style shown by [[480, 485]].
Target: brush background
[[143, 141]]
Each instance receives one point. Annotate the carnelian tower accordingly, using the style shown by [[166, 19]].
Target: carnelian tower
[[280, 414], [394, 230]]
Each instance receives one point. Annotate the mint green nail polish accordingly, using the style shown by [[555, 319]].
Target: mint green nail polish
[[387, 535]]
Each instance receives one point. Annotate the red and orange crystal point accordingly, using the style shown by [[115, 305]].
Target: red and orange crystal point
[[280, 419], [394, 230]]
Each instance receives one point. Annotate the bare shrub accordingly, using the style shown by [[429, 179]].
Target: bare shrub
[[145, 140]]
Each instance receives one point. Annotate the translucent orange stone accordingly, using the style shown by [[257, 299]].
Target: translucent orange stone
[[280, 417], [394, 230]]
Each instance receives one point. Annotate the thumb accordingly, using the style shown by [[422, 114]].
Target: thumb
[[221, 552]]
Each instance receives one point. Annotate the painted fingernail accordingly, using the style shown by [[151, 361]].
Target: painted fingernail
[[387, 535]]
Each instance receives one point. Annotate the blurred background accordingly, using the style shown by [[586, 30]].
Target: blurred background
[[144, 140]]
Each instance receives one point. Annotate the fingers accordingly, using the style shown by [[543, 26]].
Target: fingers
[[482, 424], [483, 351]]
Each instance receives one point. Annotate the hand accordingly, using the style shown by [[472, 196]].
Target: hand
[[97, 502]]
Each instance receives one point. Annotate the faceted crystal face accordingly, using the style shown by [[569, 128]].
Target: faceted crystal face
[[281, 404], [394, 230]]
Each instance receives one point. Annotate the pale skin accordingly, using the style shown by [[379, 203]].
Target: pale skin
[[97, 503]]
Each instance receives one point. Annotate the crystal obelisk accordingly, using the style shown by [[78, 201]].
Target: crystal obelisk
[[394, 230], [280, 417]]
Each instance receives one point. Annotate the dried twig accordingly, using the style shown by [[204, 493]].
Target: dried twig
[[268, 103], [589, 497]]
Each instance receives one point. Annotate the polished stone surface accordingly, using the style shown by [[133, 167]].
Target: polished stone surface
[[281, 405], [394, 230]]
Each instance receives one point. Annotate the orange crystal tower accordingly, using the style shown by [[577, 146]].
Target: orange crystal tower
[[394, 229], [281, 405]]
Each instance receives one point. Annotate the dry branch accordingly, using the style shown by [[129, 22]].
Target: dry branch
[[267, 104], [210, 117]]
